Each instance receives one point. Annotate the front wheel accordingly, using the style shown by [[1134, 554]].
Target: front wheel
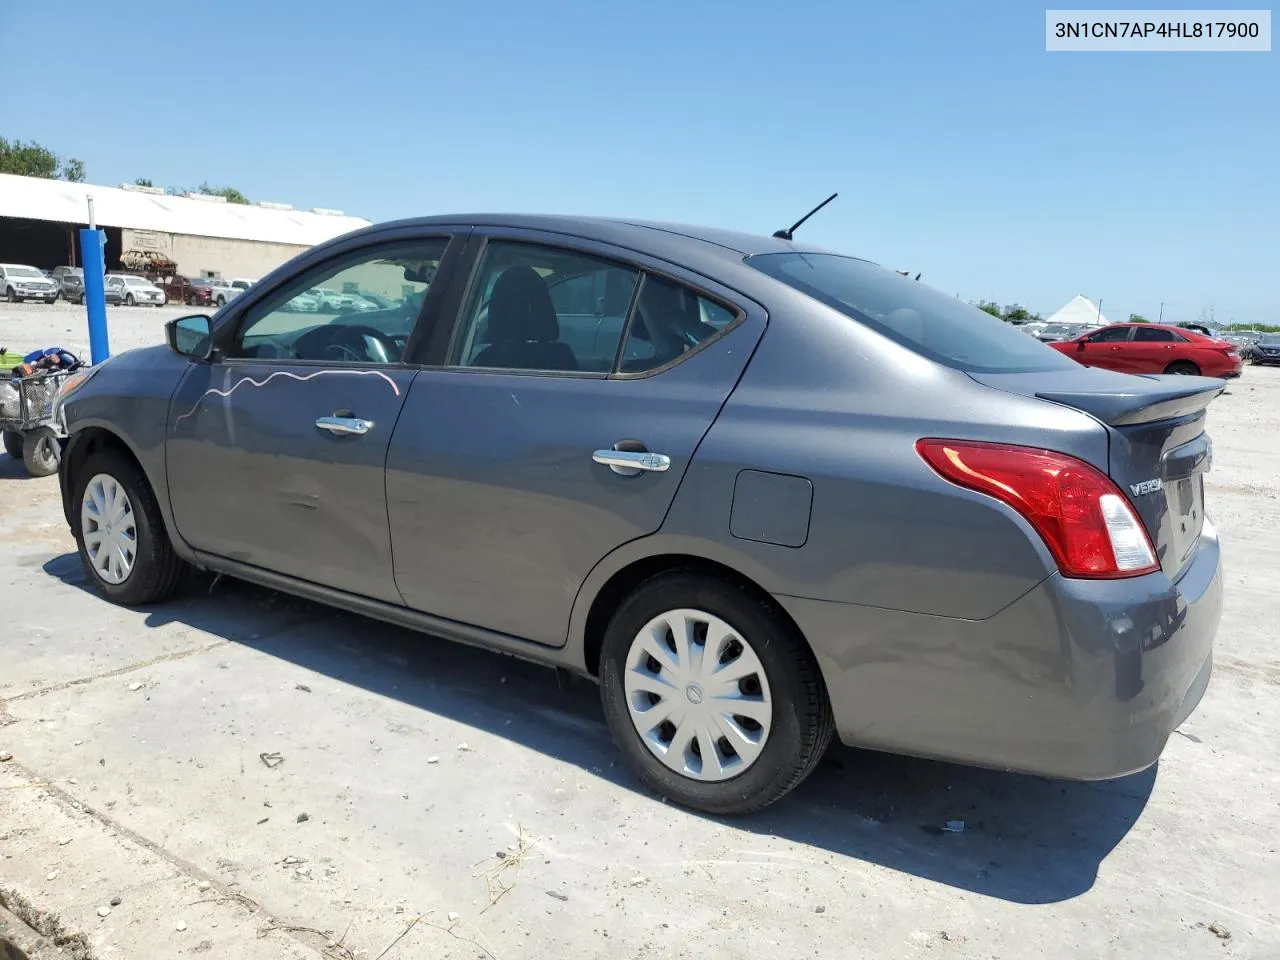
[[711, 694], [222, 301], [13, 444], [41, 452], [120, 531], [1184, 368], [128, 300], [11, 295]]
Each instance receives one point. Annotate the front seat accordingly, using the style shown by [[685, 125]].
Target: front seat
[[523, 331]]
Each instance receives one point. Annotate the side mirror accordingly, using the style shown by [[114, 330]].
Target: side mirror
[[190, 337], [1081, 342]]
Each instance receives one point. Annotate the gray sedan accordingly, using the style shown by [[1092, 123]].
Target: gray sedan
[[762, 493]]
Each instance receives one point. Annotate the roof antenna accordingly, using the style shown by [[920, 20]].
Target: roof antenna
[[790, 232]]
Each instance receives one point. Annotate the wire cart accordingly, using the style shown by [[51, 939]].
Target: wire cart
[[29, 423]]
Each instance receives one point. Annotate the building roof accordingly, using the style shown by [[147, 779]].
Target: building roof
[[1080, 310], [34, 198]]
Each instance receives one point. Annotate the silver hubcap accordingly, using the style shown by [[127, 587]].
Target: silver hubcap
[[698, 695], [109, 529]]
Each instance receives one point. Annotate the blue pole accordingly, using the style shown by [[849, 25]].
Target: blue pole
[[95, 298]]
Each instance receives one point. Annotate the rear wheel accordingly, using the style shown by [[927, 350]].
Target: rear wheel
[[13, 444], [222, 301], [1184, 367], [120, 531], [41, 452], [711, 694]]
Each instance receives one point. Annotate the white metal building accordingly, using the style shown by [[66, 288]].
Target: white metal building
[[203, 236]]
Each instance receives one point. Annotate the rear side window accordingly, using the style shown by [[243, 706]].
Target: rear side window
[[545, 309], [944, 329], [669, 320], [1156, 335]]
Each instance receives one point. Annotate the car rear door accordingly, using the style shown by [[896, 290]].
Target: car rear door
[[276, 448], [503, 485], [1153, 349]]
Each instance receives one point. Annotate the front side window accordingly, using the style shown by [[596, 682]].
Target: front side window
[[1155, 335], [544, 309], [1110, 335], [942, 328], [299, 322]]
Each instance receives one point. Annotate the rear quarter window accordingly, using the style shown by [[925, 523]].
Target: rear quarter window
[[942, 328]]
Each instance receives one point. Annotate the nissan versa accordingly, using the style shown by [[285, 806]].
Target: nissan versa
[[764, 493]]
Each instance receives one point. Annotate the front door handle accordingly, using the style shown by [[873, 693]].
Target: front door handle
[[355, 425], [631, 462]]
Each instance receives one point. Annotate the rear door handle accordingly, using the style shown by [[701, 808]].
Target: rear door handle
[[355, 425], [631, 462]]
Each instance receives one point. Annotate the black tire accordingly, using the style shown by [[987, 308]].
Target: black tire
[[129, 301], [11, 295], [221, 301], [41, 452], [802, 723], [13, 444], [1184, 368], [157, 568]]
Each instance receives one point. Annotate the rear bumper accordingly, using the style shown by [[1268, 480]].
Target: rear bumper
[[1080, 679]]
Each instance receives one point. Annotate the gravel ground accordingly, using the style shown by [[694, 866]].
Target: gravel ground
[[27, 326], [252, 776]]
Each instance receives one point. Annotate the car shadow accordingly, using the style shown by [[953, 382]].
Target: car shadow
[[12, 468], [1018, 838]]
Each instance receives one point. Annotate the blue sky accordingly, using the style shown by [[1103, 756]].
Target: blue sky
[[959, 146]]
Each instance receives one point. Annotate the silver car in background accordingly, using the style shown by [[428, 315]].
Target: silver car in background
[[133, 291], [20, 282]]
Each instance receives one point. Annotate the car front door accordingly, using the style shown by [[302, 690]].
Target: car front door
[[1107, 348], [504, 486], [276, 448]]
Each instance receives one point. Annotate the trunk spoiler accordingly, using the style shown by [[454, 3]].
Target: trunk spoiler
[[1117, 399]]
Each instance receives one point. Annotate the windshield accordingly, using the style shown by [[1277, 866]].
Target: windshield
[[932, 324], [136, 282], [1270, 339], [23, 272]]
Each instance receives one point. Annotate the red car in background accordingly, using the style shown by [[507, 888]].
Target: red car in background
[[1153, 348]]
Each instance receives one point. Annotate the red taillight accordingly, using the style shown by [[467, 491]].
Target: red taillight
[[1084, 519]]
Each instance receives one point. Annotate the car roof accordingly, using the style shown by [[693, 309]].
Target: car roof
[[656, 237]]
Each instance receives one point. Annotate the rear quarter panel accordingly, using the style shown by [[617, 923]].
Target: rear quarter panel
[[842, 407]]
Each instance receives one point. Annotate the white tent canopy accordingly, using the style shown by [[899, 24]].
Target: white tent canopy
[[1080, 311]]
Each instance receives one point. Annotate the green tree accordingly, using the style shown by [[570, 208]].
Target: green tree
[[143, 182], [33, 160], [231, 193], [1138, 318], [1016, 313], [986, 306]]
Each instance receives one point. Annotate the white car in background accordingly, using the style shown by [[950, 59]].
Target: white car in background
[[20, 282], [133, 291], [224, 291]]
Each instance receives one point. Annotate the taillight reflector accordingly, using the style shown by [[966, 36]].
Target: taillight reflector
[[1083, 518]]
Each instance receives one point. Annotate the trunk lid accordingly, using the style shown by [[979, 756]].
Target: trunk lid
[[1158, 451]]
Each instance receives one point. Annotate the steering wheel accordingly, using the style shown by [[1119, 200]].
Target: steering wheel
[[349, 343]]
